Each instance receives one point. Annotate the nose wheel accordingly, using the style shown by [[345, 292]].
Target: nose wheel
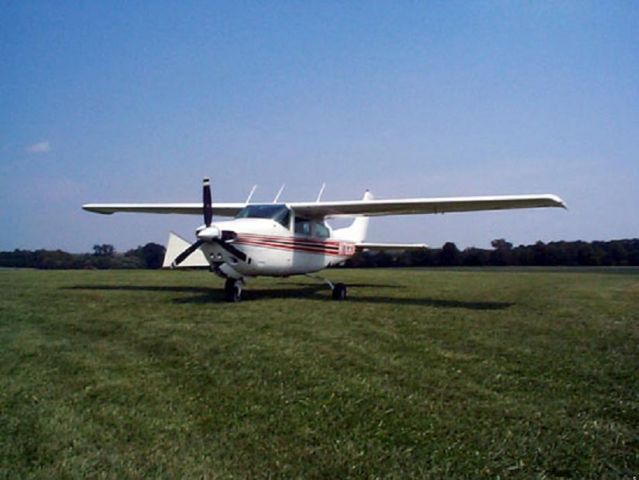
[[233, 290], [339, 291]]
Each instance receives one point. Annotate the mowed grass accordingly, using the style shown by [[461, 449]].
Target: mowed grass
[[420, 373]]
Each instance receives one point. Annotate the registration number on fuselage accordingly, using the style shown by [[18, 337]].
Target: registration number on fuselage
[[346, 249]]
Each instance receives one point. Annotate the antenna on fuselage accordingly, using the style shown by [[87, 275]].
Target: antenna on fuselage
[[279, 192], [319, 195], [250, 195]]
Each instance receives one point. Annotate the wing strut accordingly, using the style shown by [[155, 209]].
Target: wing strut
[[319, 195], [279, 192]]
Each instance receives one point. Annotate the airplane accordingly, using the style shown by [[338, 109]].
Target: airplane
[[282, 239]]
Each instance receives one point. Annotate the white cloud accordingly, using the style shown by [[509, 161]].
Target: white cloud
[[40, 147]]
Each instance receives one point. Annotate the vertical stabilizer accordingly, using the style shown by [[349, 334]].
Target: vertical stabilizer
[[356, 232]]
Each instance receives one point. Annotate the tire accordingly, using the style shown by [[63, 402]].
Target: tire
[[339, 291], [237, 294], [232, 291]]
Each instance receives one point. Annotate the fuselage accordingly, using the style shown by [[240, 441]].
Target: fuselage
[[276, 247]]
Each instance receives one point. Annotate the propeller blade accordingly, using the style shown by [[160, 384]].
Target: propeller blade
[[231, 249], [206, 202], [207, 210], [183, 256]]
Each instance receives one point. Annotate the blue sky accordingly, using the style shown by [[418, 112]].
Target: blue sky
[[115, 102]]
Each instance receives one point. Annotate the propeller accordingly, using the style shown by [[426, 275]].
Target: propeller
[[231, 249], [207, 207], [182, 256], [210, 234]]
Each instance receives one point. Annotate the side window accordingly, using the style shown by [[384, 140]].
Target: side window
[[302, 226], [320, 230]]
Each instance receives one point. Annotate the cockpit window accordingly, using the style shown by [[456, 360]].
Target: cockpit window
[[279, 213], [310, 228], [302, 226], [321, 230]]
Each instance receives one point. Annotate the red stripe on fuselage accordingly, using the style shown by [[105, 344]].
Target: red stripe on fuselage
[[291, 240], [291, 244]]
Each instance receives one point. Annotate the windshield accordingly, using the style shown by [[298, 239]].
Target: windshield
[[279, 213]]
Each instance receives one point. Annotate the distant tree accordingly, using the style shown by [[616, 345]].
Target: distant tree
[[475, 257], [100, 262], [383, 259], [502, 253], [150, 255], [153, 255], [104, 250], [617, 253], [17, 259], [355, 261], [539, 254], [53, 259], [633, 252], [585, 254], [449, 255], [556, 253], [423, 257], [501, 244], [524, 255]]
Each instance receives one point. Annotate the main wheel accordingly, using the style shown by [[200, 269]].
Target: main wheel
[[232, 290], [339, 291]]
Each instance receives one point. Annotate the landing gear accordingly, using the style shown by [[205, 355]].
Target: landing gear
[[339, 291], [233, 290]]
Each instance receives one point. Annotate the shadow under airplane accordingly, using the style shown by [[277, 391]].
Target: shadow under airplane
[[304, 291]]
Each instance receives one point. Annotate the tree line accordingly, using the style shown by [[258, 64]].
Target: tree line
[[103, 257], [578, 253], [503, 253]]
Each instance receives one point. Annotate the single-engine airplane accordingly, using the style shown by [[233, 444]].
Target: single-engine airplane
[[283, 239]]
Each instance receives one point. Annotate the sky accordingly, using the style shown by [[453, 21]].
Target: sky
[[136, 102]]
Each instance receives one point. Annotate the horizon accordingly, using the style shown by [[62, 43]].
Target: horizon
[[393, 253]]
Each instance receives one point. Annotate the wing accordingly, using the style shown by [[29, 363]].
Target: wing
[[221, 209], [424, 205], [390, 246], [369, 207]]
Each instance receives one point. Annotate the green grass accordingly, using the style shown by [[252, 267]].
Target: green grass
[[420, 373]]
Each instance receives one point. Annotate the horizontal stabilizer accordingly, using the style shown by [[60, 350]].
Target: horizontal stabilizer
[[175, 246], [390, 246]]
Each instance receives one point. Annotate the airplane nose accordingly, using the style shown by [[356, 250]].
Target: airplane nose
[[208, 233]]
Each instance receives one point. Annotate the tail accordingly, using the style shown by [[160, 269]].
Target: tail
[[356, 232], [177, 245]]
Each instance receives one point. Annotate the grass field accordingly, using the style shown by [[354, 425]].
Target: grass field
[[420, 373]]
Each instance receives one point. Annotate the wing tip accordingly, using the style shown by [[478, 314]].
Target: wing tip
[[557, 201], [91, 207]]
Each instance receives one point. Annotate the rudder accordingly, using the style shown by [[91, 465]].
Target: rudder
[[357, 230]]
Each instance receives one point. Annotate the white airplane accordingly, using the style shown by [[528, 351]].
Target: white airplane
[[282, 239]]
